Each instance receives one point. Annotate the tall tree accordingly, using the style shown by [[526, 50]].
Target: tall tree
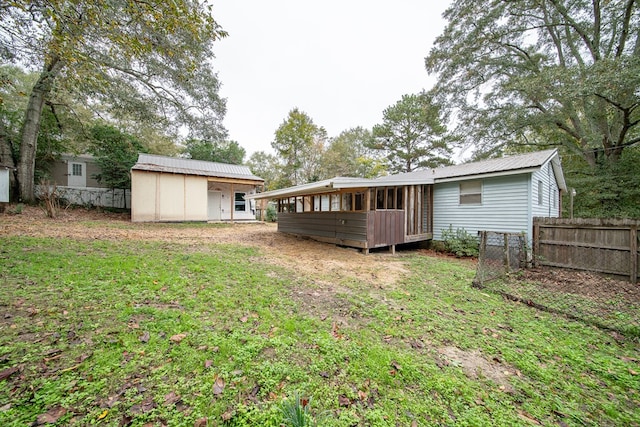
[[298, 141], [116, 153], [150, 58], [268, 167], [411, 135], [213, 151], [549, 72], [348, 155]]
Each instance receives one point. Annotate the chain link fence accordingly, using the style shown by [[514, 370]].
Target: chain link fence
[[500, 254], [504, 268]]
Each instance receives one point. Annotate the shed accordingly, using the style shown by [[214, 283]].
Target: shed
[[497, 195], [175, 189], [4, 184]]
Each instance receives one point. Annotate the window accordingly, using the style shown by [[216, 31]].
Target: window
[[359, 201], [346, 201], [240, 204], [380, 198], [76, 169], [335, 202], [390, 198], [471, 193], [540, 193]]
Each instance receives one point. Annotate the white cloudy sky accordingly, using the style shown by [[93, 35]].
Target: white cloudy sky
[[340, 61]]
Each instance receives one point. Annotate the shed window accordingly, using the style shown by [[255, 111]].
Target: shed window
[[380, 198], [359, 201], [335, 202], [76, 169], [471, 192], [399, 192], [540, 193], [240, 204], [346, 201]]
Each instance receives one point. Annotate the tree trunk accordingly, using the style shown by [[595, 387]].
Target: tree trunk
[[31, 129]]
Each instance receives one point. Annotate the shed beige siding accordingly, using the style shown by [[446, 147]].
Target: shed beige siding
[[168, 197]]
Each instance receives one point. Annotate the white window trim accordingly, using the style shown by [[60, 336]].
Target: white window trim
[[467, 192]]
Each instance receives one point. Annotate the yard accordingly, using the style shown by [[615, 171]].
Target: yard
[[106, 322]]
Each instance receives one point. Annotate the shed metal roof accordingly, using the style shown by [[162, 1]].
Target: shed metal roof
[[155, 163]]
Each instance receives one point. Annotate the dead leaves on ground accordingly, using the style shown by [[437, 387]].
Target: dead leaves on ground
[[51, 416]]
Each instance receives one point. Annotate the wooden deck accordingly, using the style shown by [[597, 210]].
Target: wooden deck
[[363, 230]]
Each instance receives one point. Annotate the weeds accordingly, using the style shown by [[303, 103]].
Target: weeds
[[164, 333]]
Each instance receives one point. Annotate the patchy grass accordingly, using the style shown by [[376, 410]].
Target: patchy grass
[[128, 333]]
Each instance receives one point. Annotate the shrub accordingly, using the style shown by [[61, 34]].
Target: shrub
[[460, 242], [272, 215]]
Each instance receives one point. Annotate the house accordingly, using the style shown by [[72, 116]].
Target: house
[[174, 189], [495, 195], [75, 178]]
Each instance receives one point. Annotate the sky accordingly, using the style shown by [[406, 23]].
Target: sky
[[342, 62]]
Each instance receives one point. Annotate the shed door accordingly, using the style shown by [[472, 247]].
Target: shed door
[[4, 185], [77, 174], [214, 210]]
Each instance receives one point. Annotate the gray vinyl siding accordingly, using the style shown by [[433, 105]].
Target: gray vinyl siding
[[547, 208], [504, 207]]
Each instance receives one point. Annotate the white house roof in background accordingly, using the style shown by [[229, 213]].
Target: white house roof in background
[[155, 163]]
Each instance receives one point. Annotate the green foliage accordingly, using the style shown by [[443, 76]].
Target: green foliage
[[296, 411], [89, 323], [349, 154], [144, 62], [229, 152], [542, 73], [115, 153], [610, 190], [268, 167], [299, 142], [272, 214], [411, 135], [460, 242]]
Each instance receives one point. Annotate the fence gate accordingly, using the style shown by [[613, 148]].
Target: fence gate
[[500, 254]]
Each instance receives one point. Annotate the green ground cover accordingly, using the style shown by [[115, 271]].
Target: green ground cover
[[157, 333]]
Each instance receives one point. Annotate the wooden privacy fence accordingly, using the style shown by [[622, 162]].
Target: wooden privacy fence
[[601, 245]]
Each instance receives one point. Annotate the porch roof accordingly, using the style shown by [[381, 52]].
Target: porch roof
[[326, 186]]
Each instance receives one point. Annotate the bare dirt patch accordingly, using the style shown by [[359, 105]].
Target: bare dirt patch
[[331, 265], [591, 285], [475, 366]]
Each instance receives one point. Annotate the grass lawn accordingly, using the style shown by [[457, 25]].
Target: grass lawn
[[116, 333]]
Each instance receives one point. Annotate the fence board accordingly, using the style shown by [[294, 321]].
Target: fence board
[[601, 245]]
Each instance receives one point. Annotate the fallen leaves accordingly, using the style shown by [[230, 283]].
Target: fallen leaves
[[218, 386], [6, 373], [172, 398], [335, 331], [144, 338], [177, 338], [51, 416]]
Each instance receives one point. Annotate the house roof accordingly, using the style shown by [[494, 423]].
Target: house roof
[[511, 165], [155, 163]]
